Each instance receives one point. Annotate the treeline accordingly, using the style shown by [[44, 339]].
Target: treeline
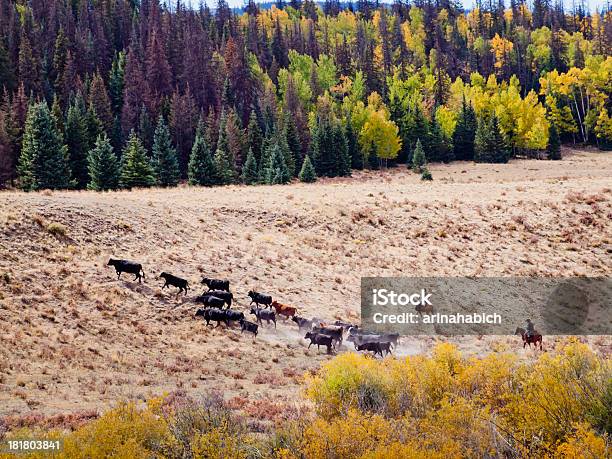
[[124, 93]]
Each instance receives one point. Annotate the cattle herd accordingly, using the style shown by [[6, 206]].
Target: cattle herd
[[217, 302]]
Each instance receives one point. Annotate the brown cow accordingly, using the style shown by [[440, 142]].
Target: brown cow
[[284, 310]]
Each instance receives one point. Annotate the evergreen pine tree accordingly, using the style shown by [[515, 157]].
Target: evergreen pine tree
[[340, 147], [293, 142], [224, 163], [201, 169], [277, 172], [554, 143], [43, 162], [254, 136], [418, 157], [489, 144], [439, 146], [249, 169], [103, 166], [77, 141], [281, 141], [164, 156], [266, 150], [136, 169], [353, 146], [146, 129], [465, 131], [307, 173]]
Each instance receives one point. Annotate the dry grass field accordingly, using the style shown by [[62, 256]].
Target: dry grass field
[[73, 339]]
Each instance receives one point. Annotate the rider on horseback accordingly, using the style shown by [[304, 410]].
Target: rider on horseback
[[529, 329]]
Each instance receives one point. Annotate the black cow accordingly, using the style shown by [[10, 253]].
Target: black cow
[[264, 314], [216, 284], [375, 347], [126, 266], [210, 300], [320, 340], [259, 298], [233, 316], [181, 284], [345, 325], [369, 337], [212, 314], [248, 326], [331, 330], [302, 323], [224, 295]]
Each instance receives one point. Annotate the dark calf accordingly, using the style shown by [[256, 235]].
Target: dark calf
[[212, 314], [302, 323], [233, 316], [174, 281], [259, 299], [264, 314], [320, 340], [126, 266], [331, 330], [224, 295], [216, 284], [250, 327], [375, 347], [210, 300]]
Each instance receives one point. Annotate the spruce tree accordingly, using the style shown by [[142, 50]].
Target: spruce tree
[[418, 157], [103, 166], [353, 146], [277, 172], [465, 131], [281, 141], [249, 169], [266, 151], [201, 169], [224, 163], [254, 136], [489, 144], [44, 159], [164, 156], [340, 147], [554, 143], [439, 146], [77, 141], [293, 142], [307, 173], [136, 169]]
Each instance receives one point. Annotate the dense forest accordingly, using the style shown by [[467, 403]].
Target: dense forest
[[102, 94]]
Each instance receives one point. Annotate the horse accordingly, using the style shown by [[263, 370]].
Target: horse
[[535, 338]]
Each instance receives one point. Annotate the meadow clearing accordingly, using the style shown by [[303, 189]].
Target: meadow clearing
[[74, 340]]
